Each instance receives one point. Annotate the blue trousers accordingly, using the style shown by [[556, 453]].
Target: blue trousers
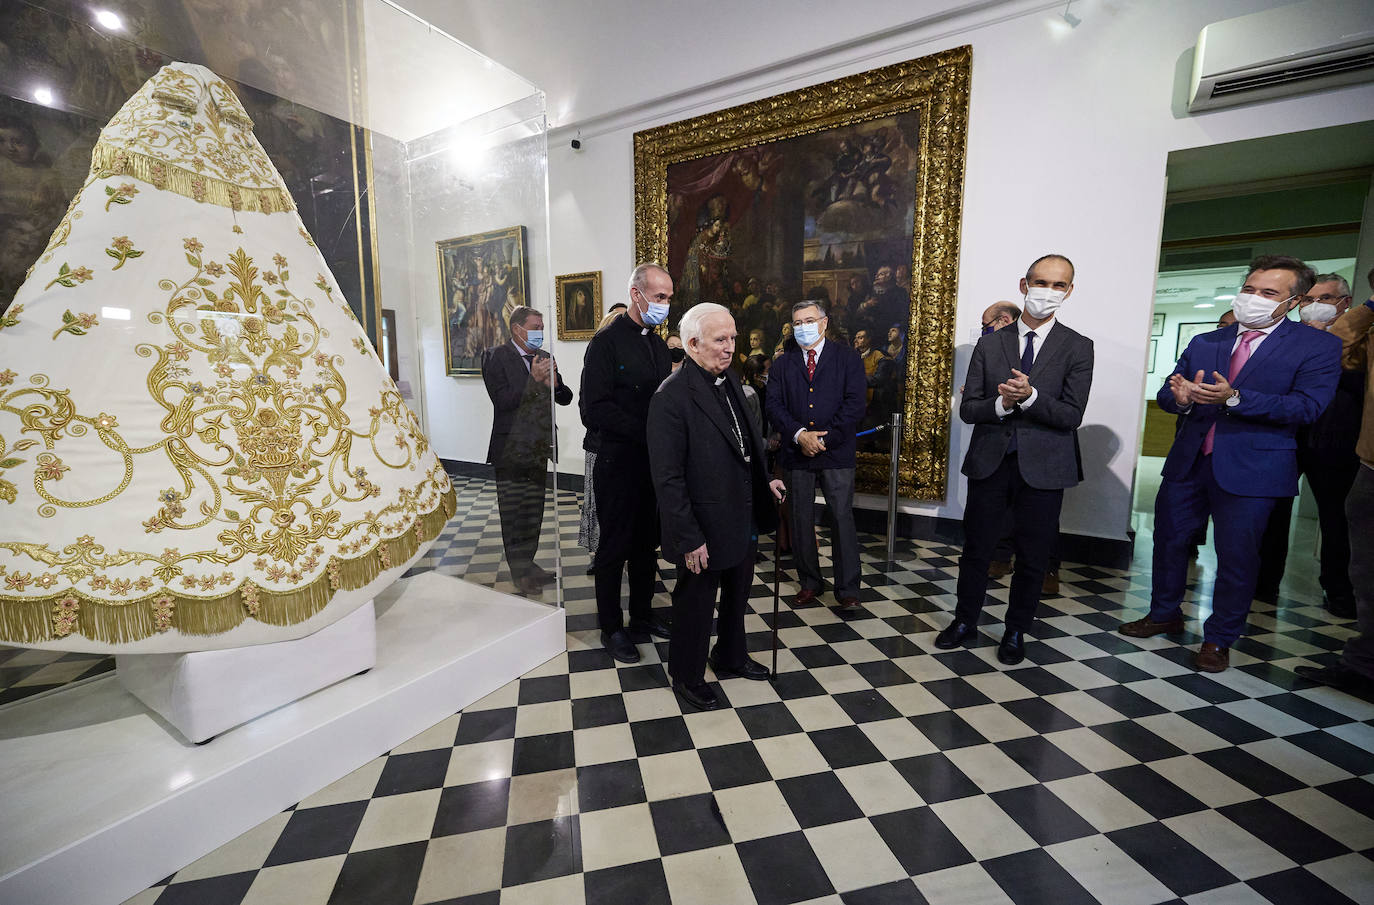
[[1181, 511]]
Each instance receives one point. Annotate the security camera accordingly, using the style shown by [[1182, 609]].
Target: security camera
[[576, 144]]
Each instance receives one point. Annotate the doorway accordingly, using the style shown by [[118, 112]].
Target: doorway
[[1305, 194]]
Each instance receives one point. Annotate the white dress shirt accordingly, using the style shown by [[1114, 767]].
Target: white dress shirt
[[1041, 333]]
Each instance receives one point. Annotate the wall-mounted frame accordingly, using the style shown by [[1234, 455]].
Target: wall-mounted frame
[[482, 279], [851, 190], [1157, 325], [578, 297], [1186, 332]]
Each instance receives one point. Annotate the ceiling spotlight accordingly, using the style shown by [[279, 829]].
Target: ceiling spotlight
[[44, 96], [1069, 17], [110, 21], [1205, 305]]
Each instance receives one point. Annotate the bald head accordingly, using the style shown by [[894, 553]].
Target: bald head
[[999, 315]]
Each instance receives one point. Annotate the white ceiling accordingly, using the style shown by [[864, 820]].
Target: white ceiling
[[1184, 289], [596, 57]]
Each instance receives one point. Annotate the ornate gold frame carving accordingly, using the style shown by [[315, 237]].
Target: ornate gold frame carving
[[936, 86]]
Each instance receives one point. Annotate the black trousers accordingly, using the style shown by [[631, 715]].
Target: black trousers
[[627, 513], [1330, 476], [694, 600], [520, 491], [1002, 497]]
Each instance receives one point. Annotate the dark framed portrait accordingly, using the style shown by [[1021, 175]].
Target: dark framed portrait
[[482, 279], [45, 148], [579, 304], [848, 193]]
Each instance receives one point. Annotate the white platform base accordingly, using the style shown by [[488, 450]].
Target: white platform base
[[98, 800], [206, 692]]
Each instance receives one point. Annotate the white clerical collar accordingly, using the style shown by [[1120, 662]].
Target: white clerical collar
[[720, 380]]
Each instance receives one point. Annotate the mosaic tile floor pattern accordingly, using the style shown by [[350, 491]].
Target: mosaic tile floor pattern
[[875, 769]]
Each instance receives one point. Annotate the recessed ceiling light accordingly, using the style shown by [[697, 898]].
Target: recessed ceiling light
[[1224, 298], [44, 96], [1205, 305], [108, 20]]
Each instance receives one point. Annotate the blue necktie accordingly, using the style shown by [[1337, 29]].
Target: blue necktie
[[1027, 359]]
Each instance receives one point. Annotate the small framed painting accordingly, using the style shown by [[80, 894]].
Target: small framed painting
[[579, 304]]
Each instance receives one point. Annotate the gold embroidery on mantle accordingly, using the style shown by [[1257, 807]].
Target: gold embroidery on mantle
[[109, 160]]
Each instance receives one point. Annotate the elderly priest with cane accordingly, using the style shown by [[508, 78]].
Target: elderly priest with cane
[[714, 498]]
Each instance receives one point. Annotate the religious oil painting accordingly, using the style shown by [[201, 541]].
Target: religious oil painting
[[85, 74], [578, 296], [847, 194], [482, 279]]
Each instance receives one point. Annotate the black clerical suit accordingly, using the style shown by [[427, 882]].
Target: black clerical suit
[[707, 459], [521, 441], [624, 364]]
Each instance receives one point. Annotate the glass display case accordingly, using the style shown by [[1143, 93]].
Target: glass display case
[[418, 170]]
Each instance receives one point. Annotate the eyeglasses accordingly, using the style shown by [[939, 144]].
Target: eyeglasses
[[809, 320]]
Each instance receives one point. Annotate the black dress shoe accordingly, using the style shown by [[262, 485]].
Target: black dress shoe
[[543, 575], [958, 632], [1340, 677], [652, 626], [619, 646], [697, 695], [752, 669], [1341, 608], [1012, 649]]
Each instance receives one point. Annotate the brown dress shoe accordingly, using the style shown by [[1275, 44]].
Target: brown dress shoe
[[1050, 587], [1211, 658], [804, 597], [849, 603], [999, 568], [1144, 628]]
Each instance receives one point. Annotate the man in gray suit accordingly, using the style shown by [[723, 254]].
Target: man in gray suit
[[1025, 393]]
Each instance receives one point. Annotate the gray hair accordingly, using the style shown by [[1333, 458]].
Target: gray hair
[[1334, 278], [691, 324], [639, 277], [809, 303]]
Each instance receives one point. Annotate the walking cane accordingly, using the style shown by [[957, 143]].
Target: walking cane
[[777, 568]]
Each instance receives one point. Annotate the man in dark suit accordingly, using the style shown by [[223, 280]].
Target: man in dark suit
[[520, 376], [625, 362], [816, 399], [714, 499], [1326, 457], [1240, 393], [1025, 393]]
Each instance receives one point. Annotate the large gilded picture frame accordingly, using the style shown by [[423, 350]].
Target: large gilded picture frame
[[482, 279], [849, 192]]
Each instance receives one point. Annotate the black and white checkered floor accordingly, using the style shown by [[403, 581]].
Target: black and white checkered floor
[[873, 770]]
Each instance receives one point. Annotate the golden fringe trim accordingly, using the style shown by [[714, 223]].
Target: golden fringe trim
[[110, 160], [29, 620]]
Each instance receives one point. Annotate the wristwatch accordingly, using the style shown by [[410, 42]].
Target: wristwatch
[[1233, 399]]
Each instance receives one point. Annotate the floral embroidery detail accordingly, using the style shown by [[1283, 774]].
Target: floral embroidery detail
[[76, 324], [250, 599], [332, 570], [17, 581], [7, 377], [306, 236], [384, 554], [68, 277], [143, 583], [49, 467], [122, 249], [360, 344], [238, 229], [120, 586], [64, 616], [46, 580], [10, 317], [163, 608], [121, 194], [214, 269], [105, 421], [194, 246], [170, 511]]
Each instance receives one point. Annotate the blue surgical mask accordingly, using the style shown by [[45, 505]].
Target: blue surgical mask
[[988, 328], [806, 334], [534, 339], [656, 314]]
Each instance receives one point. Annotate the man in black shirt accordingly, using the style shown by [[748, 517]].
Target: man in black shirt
[[625, 363]]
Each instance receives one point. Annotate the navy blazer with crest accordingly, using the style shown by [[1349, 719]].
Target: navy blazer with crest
[[1286, 383], [707, 492], [1047, 431]]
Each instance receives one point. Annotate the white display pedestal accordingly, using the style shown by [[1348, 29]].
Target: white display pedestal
[[206, 692], [100, 800]]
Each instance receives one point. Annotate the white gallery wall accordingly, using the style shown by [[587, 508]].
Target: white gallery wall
[[1069, 133]]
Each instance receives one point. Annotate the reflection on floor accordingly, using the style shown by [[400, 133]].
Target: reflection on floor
[[875, 769]]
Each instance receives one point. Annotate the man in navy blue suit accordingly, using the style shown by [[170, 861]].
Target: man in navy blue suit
[[1240, 393], [817, 392]]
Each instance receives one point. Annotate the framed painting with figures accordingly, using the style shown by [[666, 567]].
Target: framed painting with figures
[[482, 279], [578, 298], [848, 193]]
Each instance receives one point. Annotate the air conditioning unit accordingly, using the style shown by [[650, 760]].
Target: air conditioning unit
[[1289, 50]]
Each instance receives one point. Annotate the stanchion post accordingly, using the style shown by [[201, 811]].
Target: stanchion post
[[895, 454]]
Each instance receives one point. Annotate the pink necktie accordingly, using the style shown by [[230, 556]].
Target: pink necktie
[[810, 364], [1238, 359]]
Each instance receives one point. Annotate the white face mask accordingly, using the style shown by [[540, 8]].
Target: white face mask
[[1254, 311], [1042, 301], [1317, 313]]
